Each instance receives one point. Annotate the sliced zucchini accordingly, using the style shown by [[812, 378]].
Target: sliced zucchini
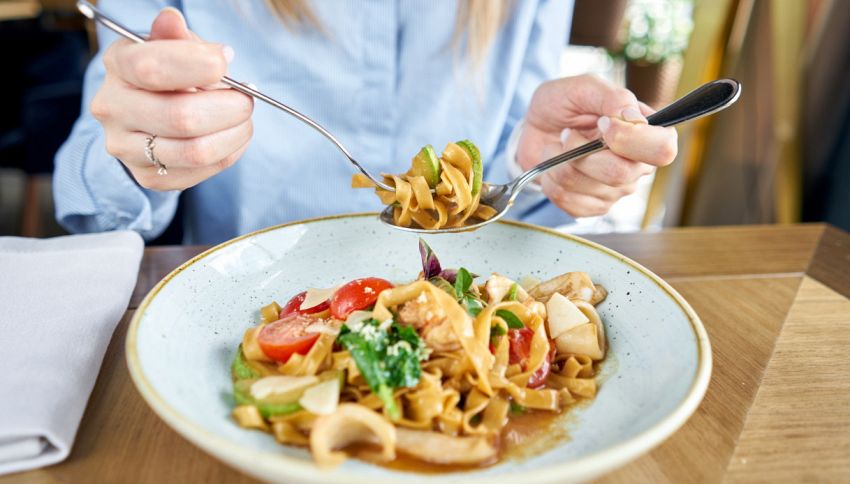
[[240, 369], [281, 403], [242, 396], [426, 164], [477, 165]]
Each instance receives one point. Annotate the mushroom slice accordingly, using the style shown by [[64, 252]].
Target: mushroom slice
[[440, 448], [573, 285], [350, 423], [599, 294]]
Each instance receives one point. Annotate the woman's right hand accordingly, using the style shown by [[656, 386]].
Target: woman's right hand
[[169, 87]]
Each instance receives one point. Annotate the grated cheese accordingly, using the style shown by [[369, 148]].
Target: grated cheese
[[316, 296], [385, 325], [276, 385], [321, 328]]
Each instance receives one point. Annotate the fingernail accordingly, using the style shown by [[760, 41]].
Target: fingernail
[[632, 115], [229, 53], [603, 124], [564, 135], [251, 85], [179, 14]]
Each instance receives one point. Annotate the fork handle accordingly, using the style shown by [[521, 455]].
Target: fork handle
[[93, 13], [702, 101]]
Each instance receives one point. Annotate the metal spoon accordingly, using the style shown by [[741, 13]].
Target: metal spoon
[[706, 99], [95, 14]]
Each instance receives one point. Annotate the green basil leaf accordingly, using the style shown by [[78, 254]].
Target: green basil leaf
[[407, 333], [385, 393], [510, 318], [462, 282], [473, 306], [368, 360], [497, 330], [387, 358]]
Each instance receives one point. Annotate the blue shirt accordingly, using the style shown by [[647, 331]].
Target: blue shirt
[[384, 78]]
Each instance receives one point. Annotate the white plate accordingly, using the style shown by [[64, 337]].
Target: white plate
[[184, 335]]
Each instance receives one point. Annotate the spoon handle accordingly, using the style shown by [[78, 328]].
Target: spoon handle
[[702, 101]]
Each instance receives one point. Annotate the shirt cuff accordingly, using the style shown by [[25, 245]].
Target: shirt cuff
[[110, 199]]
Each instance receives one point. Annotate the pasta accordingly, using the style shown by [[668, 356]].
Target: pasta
[[435, 370], [456, 180]]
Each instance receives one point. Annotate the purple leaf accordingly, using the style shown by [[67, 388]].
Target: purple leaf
[[430, 264], [449, 275]]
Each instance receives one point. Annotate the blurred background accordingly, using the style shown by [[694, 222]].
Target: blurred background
[[781, 155]]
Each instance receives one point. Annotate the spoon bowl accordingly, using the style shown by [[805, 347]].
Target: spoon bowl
[[706, 99]]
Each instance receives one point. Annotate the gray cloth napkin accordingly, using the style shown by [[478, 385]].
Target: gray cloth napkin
[[60, 300]]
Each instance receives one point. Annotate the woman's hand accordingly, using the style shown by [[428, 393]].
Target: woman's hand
[[569, 112], [169, 87]]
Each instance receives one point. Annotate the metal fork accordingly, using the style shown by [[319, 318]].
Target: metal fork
[[97, 15]]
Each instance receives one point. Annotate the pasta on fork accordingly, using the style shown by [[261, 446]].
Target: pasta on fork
[[455, 178]]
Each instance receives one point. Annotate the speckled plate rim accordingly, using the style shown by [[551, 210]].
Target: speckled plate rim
[[580, 469]]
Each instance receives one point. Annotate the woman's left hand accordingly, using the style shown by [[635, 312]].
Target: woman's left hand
[[566, 113]]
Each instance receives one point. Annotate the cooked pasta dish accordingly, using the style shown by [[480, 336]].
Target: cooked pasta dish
[[456, 181], [434, 371]]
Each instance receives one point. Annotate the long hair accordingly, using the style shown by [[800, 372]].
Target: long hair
[[477, 23]]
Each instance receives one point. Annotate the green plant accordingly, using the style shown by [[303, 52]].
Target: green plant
[[655, 30]]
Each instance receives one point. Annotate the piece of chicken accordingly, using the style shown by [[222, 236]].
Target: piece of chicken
[[498, 286], [430, 320]]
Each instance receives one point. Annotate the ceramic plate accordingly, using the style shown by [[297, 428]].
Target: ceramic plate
[[185, 333]]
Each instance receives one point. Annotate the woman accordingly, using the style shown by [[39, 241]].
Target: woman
[[386, 77]]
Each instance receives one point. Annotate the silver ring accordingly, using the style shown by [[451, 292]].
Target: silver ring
[[150, 144]]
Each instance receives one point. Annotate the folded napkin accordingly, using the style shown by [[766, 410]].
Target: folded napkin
[[60, 300]]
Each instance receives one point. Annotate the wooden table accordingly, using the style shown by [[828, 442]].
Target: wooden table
[[774, 300]]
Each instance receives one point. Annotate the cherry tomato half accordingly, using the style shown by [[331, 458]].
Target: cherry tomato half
[[538, 378], [294, 306], [281, 339], [357, 294], [519, 351]]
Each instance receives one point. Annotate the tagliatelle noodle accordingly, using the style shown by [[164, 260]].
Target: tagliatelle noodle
[[463, 398], [451, 204]]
